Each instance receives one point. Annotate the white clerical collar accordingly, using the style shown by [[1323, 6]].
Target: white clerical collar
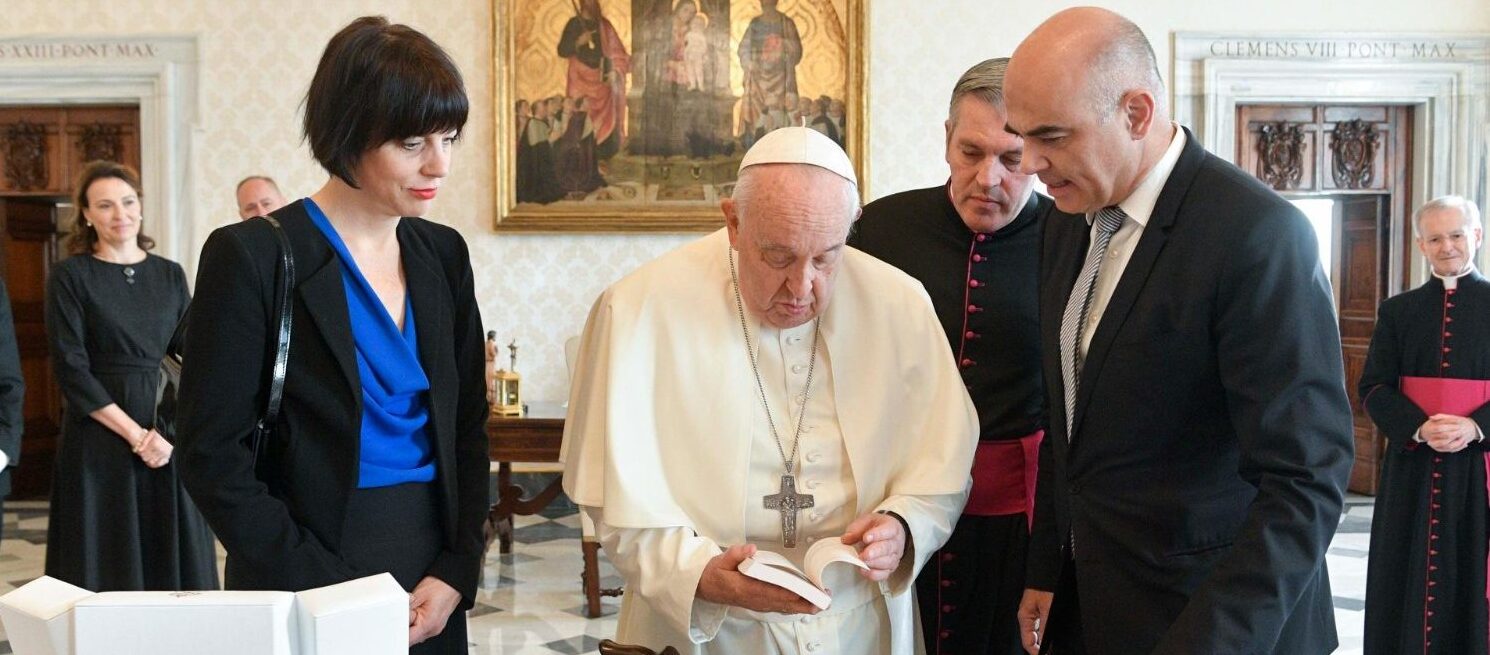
[[1452, 281], [1139, 205]]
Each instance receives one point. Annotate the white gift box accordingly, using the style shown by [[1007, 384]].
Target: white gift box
[[185, 623], [38, 616], [366, 616]]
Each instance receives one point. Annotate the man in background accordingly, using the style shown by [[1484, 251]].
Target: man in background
[[258, 195]]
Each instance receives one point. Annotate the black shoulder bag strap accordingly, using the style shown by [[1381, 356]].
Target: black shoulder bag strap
[[265, 427]]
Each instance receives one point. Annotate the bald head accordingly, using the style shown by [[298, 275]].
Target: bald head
[[1085, 93], [1102, 54]]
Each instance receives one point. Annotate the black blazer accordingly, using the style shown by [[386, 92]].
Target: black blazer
[[12, 390], [284, 532], [1212, 435]]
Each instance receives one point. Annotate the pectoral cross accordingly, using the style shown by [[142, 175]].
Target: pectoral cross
[[788, 502]]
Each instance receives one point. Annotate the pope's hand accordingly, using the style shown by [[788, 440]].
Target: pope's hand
[[723, 583], [883, 542]]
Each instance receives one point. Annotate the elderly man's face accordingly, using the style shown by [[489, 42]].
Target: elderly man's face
[[1079, 151], [790, 240], [1448, 240], [987, 187], [257, 198]]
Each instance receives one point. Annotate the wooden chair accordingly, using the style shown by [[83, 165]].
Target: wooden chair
[[608, 647]]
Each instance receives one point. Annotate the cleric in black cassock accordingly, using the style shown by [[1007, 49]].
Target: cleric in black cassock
[[974, 243], [1425, 581]]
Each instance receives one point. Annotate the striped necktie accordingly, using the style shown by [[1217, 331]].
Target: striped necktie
[[1078, 306]]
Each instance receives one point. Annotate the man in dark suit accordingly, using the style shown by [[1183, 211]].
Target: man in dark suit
[[1200, 435], [12, 388]]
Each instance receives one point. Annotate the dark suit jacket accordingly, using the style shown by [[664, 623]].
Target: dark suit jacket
[[12, 390], [285, 532], [1212, 436]]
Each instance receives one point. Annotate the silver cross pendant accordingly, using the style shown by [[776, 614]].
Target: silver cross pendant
[[788, 502]]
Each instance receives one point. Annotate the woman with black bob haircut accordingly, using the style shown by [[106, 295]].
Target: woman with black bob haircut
[[377, 461]]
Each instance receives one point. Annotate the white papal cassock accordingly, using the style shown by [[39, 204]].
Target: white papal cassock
[[668, 450]]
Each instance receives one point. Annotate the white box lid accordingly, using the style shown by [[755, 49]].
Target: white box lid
[[351, 595], [190, 599], [45, 597]]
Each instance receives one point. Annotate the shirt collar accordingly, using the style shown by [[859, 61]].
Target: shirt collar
[[1452, 281], [1139, 205]]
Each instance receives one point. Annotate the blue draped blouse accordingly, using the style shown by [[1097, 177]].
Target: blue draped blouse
[[395, 447]]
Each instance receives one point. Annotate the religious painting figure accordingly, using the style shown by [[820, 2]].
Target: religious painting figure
[[598, 66], [769, 53], [575, 164]]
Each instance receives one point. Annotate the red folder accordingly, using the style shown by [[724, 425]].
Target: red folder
[[1453, 396], [1456, 397]]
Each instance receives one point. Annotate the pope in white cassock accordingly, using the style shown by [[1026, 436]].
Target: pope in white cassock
[[766, 387]]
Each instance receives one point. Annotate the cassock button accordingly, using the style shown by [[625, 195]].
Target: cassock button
[[945, 634], [977, 257], [947, 557], [970, 334], [946, 583], [798, 368], [1445, 348], [1447, 335], [982, 238], [973, 309], [974, 283], [967, 363], [947, 609], [813, 456]]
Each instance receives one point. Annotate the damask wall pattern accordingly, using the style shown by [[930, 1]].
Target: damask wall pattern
[[258, 56]]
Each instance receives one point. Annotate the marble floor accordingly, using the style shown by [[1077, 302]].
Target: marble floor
[[530, 601]]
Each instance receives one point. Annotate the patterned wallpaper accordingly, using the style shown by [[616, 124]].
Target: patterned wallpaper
[[258, 55]]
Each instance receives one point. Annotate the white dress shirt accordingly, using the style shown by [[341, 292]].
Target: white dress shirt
[[1139, 205]]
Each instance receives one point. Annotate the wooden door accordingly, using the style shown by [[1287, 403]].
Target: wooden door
[[1362, 271], [29, 249], [1358, 157]]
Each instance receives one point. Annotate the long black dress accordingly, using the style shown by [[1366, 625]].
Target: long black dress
[[1425, 581], [984, 289], [116, 524]]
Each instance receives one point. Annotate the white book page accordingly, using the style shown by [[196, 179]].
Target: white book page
[[828, 551]]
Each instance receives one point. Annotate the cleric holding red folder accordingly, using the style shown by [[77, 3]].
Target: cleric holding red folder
[[1425, 583]]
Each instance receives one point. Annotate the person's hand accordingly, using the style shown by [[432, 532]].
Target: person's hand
[[1448, 434], [586, 38], [884, 542], [1034, 617], [157, 451], [723, 583], [430, 605]]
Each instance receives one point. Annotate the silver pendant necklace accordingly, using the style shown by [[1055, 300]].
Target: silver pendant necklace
[[787, 500]]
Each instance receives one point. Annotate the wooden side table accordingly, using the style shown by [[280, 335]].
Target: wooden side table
[[534, 437]]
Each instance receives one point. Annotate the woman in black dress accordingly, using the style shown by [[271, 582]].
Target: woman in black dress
[[377, 461], [119, 518]]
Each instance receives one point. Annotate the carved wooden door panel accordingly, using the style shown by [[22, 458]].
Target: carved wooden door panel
[[1358, 157], [42, 149]]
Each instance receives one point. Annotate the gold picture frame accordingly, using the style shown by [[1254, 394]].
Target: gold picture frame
[[639, 124]]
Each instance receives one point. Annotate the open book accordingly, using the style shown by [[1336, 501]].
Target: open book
[[771, 567]]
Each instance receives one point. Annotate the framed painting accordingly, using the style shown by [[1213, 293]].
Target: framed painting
[[633, 115]]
